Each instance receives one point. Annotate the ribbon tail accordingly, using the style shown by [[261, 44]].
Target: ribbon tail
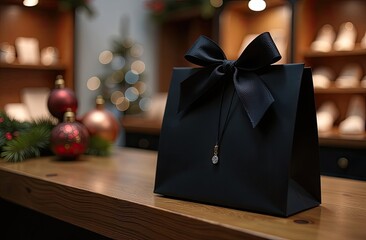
[[253, 94]]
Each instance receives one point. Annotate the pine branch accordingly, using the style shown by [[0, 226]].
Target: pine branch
[[22, 140], [46, 123], [10, 125], [28, 144], [99, 146]]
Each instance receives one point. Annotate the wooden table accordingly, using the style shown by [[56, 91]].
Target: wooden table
[[114, 197]]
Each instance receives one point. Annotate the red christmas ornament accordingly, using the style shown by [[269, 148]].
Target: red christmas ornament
[[69, 139], [8, 136], [61, 99], [101, 122]]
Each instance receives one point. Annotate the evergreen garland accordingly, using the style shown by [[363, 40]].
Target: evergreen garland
[[22, 140], [29, 144], [98, 146]]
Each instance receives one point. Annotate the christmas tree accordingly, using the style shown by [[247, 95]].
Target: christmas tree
[[123, 85]]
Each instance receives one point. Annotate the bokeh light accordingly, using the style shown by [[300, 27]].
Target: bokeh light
[[93, 83], [145, 104], [30, 3], [105, 57], [132, 94], [141, 87], [115, 96], [216, 3], [124, 105], [118, 62], [138, 66], [131, 77]]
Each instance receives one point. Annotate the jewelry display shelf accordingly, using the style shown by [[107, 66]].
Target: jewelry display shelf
[[335, 139], [340, 154], [51, 27], [336, 90], [338, 13], [357, 51], [113, 197], [17, 66]]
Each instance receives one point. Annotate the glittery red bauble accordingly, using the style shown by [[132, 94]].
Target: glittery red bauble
[[61, 99], [101, 122], [69, 139]]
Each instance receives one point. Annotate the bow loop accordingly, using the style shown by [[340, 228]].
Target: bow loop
[[205, 52], [259, 53], [253, 93]]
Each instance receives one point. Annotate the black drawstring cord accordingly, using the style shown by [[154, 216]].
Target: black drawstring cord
[[220, 133]]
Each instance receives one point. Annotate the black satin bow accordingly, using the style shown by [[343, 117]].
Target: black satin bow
[[253, 93]]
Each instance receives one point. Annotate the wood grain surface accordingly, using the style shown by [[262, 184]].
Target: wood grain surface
[[113, 196]]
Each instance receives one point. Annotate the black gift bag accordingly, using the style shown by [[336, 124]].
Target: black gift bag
[[240, 134]]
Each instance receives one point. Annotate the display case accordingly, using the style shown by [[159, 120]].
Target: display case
[[343, 153], [49, 26], [337, 13]]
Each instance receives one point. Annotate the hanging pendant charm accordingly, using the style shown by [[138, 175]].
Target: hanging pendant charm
[[215, 158]]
